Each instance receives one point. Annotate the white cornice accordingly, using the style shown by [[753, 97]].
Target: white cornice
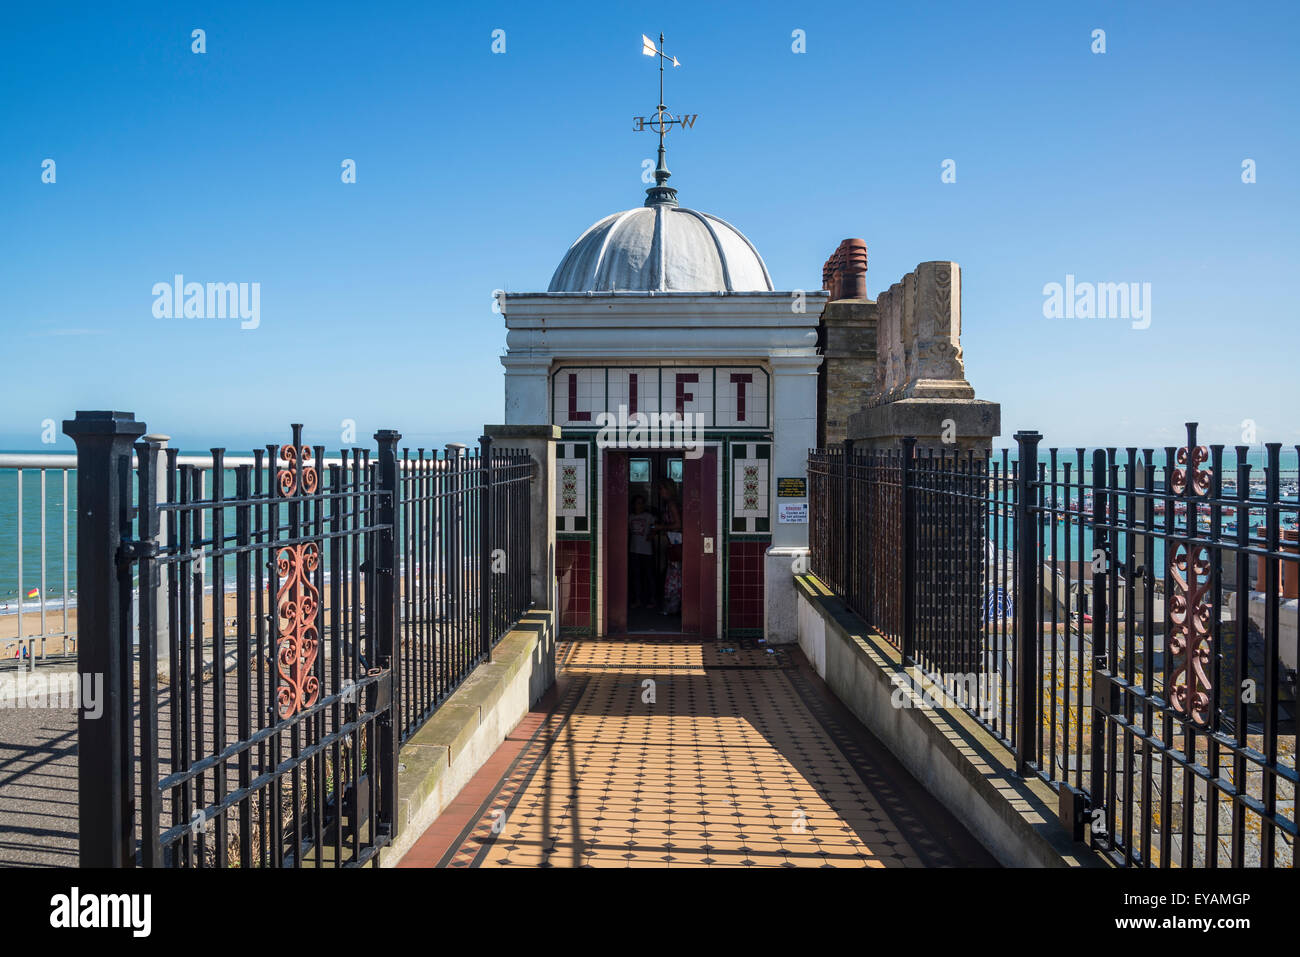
[[623, 340], [793, 363], [526, 361], [667, 311], [660, 295]]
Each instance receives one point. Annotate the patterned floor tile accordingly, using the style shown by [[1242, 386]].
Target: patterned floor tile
[[675, 754]]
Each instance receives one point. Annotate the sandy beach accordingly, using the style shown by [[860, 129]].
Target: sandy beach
[[56, 641]]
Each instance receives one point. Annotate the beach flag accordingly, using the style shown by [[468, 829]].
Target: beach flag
[[34, 593]]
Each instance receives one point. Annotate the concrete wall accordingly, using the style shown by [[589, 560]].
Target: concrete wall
[[953, 757], [1286, 615]]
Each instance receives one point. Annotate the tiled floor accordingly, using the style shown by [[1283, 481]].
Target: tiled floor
[[681, 754]]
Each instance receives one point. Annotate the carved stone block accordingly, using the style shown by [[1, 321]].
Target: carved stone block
[[936, 367]]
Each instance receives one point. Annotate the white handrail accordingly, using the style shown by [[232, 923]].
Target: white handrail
[[64, 460]]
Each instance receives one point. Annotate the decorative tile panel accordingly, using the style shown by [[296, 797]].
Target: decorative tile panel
[[751, 487], [571, 487]]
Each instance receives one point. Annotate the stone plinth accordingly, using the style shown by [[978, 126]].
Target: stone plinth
[[539, 441], [953, 523], [967, 423]]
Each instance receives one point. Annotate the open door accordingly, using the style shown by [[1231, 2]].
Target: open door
[[700, 545], [698, 489], [616, 542]]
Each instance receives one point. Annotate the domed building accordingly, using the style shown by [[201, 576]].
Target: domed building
[[662, 248], [684, 388]]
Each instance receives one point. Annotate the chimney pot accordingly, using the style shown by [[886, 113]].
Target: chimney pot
[[845, 274]]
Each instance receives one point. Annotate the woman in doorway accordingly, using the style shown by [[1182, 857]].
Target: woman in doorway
[[670, 523]]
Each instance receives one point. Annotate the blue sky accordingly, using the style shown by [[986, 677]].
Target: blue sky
[[476, 170]]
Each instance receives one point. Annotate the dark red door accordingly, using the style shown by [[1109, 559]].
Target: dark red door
[[616, 543], [700, 545]]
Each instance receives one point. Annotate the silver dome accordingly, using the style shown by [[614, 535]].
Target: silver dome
[[662, 248]]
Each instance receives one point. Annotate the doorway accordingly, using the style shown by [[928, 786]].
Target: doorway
[[661, 526]]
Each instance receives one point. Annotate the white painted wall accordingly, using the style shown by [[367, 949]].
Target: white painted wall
[[794, 425], [548, 330]]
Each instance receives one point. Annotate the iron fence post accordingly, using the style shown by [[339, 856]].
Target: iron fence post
[[454, 486], [388, 648], [1026, 604], [1100, 683], [152, 632], [485, 545], [846, 552], [909, 548], [105, 745]]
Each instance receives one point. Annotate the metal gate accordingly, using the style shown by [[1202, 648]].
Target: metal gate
[[246, 637]]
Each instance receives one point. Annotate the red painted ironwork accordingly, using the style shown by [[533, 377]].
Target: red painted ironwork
[[1190, 461], [288, 476], [1190, 612], [1189, 632], [297, 600]]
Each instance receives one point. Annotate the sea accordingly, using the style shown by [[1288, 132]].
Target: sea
[[60, 578], [20, 573]]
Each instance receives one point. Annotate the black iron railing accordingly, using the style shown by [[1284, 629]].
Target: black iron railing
[[1125, 622], [267, 641], [465, 566]]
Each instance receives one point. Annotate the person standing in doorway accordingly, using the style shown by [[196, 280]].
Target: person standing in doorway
[[670, 522], [640, 526]]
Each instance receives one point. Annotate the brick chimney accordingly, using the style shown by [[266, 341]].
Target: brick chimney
[[845, 274], [846, 338]]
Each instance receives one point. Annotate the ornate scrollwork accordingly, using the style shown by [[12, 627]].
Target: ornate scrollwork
[[288, 475], [298, 599], [1190, 461], [1189, 632], [297, 604]]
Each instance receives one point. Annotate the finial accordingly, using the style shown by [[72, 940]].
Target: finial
[[661, 194]]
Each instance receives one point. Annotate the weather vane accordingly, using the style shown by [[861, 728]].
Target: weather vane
[[661, 122]]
